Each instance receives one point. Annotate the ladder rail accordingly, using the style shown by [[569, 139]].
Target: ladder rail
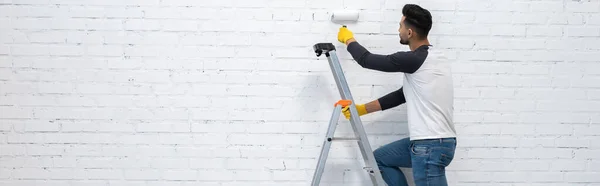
[[326, 145], [357, 126]]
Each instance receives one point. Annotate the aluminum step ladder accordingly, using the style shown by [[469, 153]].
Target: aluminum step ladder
[[360, 135]]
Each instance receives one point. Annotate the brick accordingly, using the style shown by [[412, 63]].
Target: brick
[[593, 165], [546, 176], [45, 50], [585, 130], [181, 175], [354, 4], [592, 19], [582, 31], [104, 174], [580, 154], [316, 4], [501, 30], [224, 3], [546, 6], [180, 25], [575, 19], [562, 19], [476, 176], [264, 139], [142, 174], [457, 43], [12, 150], [5, 50], [88, 37], [460, 30], [290, 175], [534, 55], [141, 24], [537, 142], [530, 18], [491, 153], [9, 112], [492, 18], [581, 177], [230, 26], [501, 118], [5, 74], [215, 175], [504, 177], [480, 55], [207, 163], [544, 153], [39, 11], [47, 37], [554, 129], [125, 12], [32, 23], [502, 142], [511, 6], [473, 5], [86, 12], [41, 126], [532, 165], [104, 50], [576, 7], [549, 94], [587, 82], [45, 150], [5, 173], [549, 31], [6, 10], [7, 37], [253, 175], [564, 165]]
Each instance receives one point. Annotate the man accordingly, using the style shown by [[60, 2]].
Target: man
[[428, 93]]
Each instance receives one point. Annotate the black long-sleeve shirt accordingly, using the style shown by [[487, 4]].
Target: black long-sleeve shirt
[[403, 61]]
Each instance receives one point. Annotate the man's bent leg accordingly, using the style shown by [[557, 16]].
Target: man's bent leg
[[430, 159], [392, 156]]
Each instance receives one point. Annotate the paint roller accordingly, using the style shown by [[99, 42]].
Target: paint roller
[[341, 17], [344, 17]]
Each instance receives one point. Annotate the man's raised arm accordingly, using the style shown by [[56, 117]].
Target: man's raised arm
[[407, 62]]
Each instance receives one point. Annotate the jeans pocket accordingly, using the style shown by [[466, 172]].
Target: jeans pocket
[[446, 156], [419, 150]]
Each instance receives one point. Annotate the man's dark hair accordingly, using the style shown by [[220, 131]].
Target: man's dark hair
[[417, 18]]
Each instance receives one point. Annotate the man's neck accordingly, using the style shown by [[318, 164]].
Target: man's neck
[[416, 44]]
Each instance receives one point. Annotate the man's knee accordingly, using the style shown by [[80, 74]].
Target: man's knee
[[378, 154]]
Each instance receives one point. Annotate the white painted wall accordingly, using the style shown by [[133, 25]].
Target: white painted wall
[[229, 93]]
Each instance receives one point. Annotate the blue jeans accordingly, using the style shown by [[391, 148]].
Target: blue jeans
[[427, 158]]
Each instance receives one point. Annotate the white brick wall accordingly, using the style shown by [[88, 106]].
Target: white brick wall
[[229, 93]]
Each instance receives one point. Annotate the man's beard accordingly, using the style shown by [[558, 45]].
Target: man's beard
[[404, 42]]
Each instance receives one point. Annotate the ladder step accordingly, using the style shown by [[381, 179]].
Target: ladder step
[[369, 169], [342, 139]]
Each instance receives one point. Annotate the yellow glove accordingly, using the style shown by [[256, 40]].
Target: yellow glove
[[344, 35], [362, 110]]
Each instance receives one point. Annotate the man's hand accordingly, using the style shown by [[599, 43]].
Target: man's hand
[[350, 41], [345, 35], [362, 110]]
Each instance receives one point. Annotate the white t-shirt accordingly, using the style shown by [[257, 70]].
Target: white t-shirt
[[430, 98], [427, 88]]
